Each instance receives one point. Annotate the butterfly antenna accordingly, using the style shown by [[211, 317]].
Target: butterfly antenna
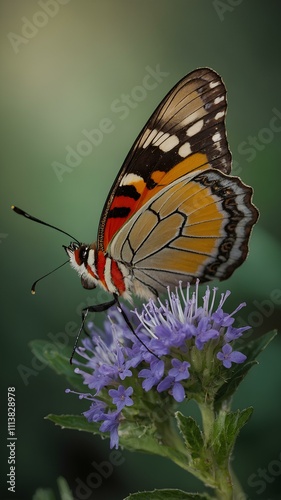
[[84, 316], [45, 275], [30, 217]]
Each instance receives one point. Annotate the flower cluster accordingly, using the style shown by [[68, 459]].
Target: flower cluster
[[180, 347]]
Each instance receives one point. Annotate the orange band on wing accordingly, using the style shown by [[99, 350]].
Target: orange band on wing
[[197, 161], [191, 164]]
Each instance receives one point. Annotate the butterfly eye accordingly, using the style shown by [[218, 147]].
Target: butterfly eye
[[84, 252]]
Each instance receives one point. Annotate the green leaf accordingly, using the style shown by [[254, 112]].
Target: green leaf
[[133, 437], [198, 459], [41, 494], [47, 494], [59, 362], [77, 422], [137, 437], [147, 438], [251, 349], [226, 429], [228, 389], [65, 492], [168, 495], [191, 433]]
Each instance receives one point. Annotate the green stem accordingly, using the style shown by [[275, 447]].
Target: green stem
[[212, 464], [208, 419], [220, 477], [238, 493]]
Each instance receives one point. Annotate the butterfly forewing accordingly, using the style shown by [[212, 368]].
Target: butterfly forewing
[[174, 212], [185, 134]]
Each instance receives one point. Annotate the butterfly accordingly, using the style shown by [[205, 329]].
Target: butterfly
[[174, 212]]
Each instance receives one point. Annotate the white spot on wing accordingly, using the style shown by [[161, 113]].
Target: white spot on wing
[[194, 129], [216, 137], [146, 134], [149, 139], [130, 179], [219, 99], [184, 150], [160, 137], [220, 114], [191, 118], [212, 85], [169, 143]]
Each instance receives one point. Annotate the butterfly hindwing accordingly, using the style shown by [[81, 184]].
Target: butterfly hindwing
[[185, 134], [197, 227]]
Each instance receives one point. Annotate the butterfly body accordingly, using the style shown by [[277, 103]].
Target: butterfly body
[[174, 212], [98, 269]]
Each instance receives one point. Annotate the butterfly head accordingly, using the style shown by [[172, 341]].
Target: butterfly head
[[82, 258]]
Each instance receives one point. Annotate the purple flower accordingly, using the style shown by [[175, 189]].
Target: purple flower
[[95, 380], [228, 356], [178, 392], [224, 319], [119, 368], [175, 375], [121, 397], [111, 424], [96, 411], [153, 375], [181, 340], [234, 333], [203, 332], [179, 370], [221, 318]]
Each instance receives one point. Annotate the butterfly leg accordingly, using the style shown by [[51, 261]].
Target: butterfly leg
[[119, 307], [101, 308], [85, 312]]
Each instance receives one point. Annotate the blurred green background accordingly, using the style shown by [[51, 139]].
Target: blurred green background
[[65, 66]]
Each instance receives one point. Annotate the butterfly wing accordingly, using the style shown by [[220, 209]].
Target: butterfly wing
[[197, 227], [185, 134]]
